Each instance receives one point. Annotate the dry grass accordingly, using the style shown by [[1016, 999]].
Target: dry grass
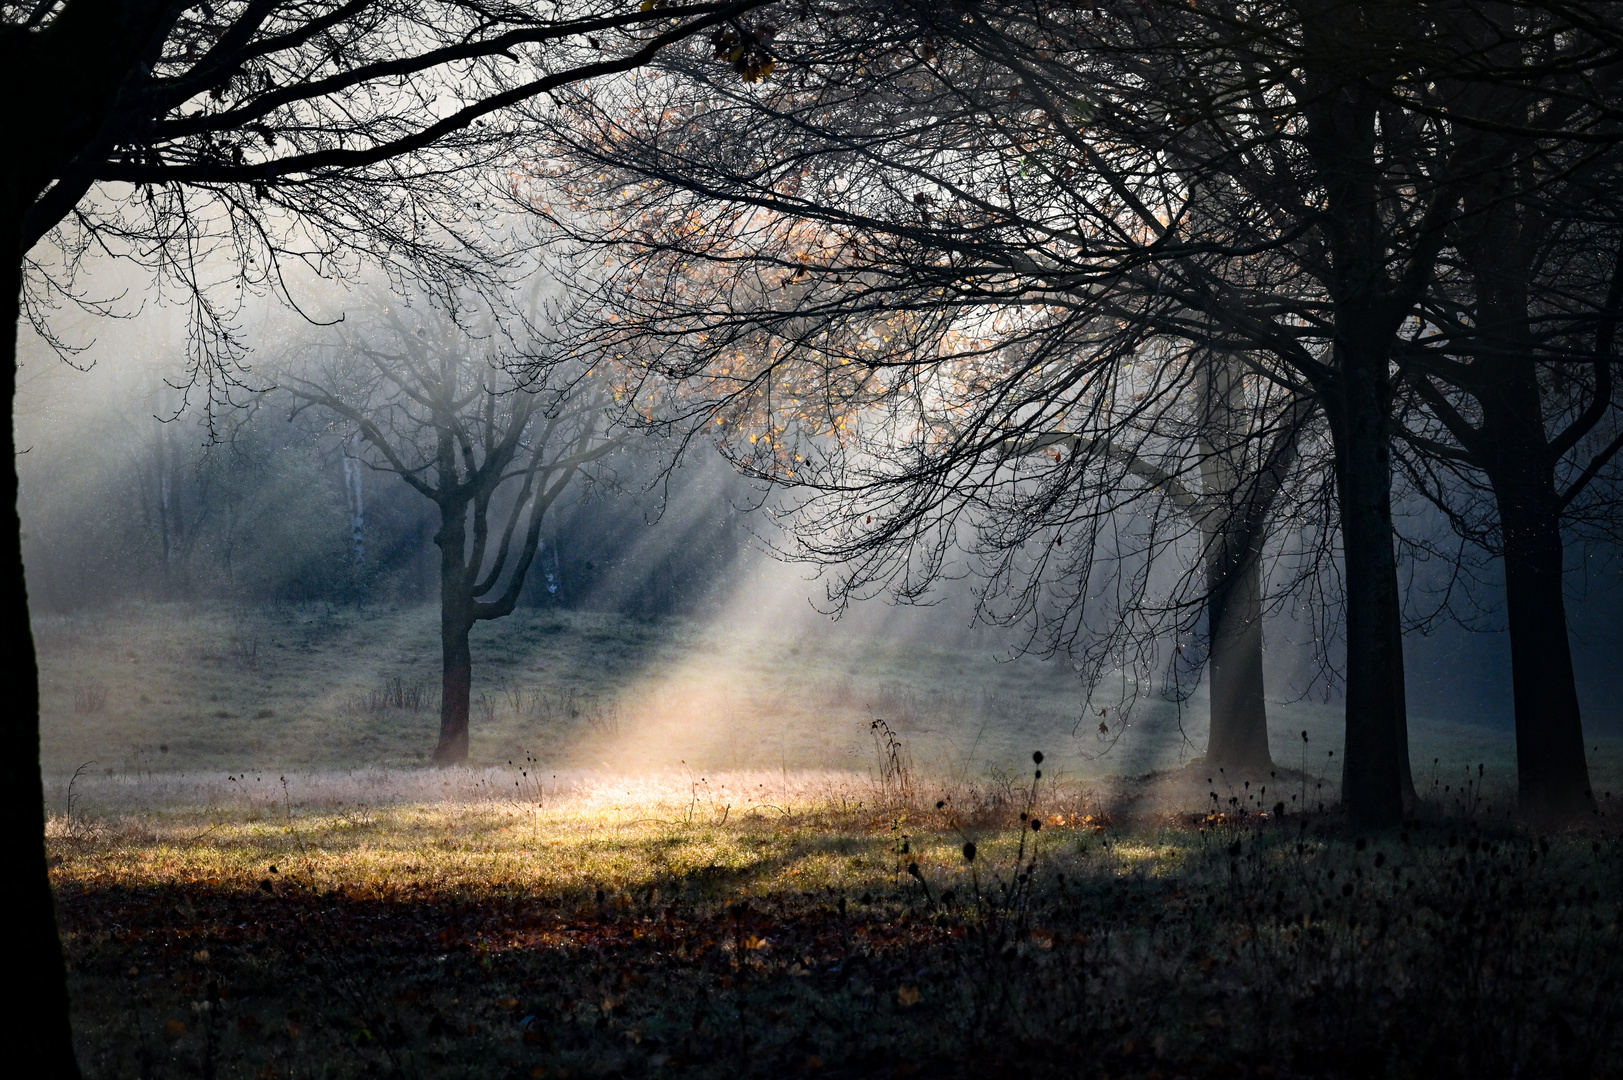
[[498, 923], [511, 827]]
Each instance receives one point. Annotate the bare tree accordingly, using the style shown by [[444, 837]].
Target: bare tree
[[1274, 182], [843, 314], [1519, 411], [492, 452], [215, 144], [1228, 488]]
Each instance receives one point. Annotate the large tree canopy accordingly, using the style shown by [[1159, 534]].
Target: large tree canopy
[[214, 144], [1278, 182]]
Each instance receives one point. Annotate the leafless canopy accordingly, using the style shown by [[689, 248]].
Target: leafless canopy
[[249, 137], [1003, 224]]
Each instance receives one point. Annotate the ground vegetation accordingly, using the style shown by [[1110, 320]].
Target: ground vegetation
[[828, 930]]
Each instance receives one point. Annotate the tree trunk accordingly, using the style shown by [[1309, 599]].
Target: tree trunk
[[166, 539], [456, 670], [1362, 246], [355, 493], [1238, 741], [1373, 766], [40, 1041], [1400, 709], [1232, 532], [1552, 776], [456, 683]]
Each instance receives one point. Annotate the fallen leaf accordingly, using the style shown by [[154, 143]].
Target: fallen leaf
[[907, 996]]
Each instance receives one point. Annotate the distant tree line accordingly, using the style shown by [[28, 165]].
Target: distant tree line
[[124, 506]]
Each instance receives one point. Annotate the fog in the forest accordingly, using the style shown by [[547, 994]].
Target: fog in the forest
[[692, 644]]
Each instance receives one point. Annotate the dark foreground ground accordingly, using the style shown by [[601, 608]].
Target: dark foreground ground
[[468, 940]]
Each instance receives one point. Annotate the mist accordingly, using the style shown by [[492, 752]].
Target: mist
[[182, 550]]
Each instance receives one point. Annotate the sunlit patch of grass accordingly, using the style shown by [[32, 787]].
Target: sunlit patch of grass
[[605, 837], [314, 920]]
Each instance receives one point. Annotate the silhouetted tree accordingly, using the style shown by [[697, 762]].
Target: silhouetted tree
[[226, 140], [840, 310], [1273, 181], [1520, 413], [491, 452], [1228, 488]]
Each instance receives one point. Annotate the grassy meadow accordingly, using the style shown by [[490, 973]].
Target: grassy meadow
[[211, 689], [684, 850], [322, 687]]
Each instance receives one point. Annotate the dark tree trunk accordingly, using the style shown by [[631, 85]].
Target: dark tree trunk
[[1400, 709], [1238, 741], [1233, 527], [40, 1041], [456, 683], [1374, 765], [456, 619], [1513, 448], [1552, 777], [1370, 306]]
